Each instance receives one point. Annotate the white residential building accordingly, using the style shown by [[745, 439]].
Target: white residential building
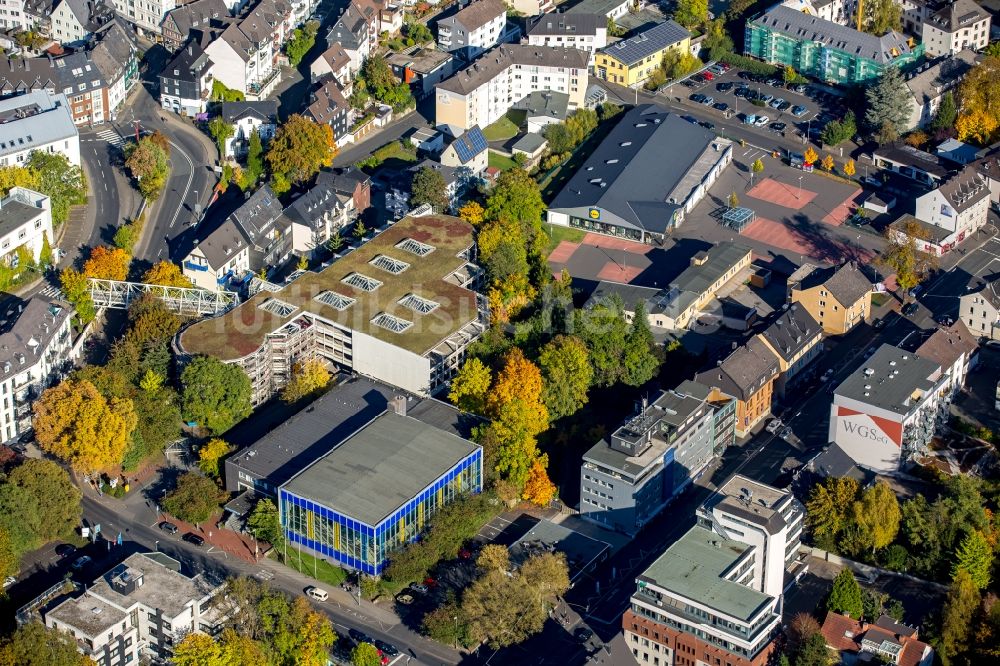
[[474, 29], [145, 15], [716, 593], [929, 83], [838, 11], [588, 32], [247, 118], [12, 15], [958, 25], [955, 349], [73, 21], [38, 120], [889, 409], [36, 348], [979, 308], [484, 91], [949, 214], [25, 221], [245, 52], [138, 611]]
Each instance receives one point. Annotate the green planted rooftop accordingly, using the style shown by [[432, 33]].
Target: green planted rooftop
[[400, 287]]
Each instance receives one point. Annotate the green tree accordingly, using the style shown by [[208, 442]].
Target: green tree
[[734, 200], [604, 330], [838, 131], [62, 181], [691, 13], [255, 159], [717, 41], [221, 93], [33, 644], [46, 256], [640, 364], [147, 162], [299, 149], [216, 395], [567, 375], [959, 607], [888, 103], [301, 41], [947, 112], [54, 497], [194, 499], [974, 557], [418, 32], [881, 16], [265, 523], [10, 559], [901, 256], [125, 237], [813, 652], [845, 595], [220, 131], [429, 187], [365, 654], [608, 110]]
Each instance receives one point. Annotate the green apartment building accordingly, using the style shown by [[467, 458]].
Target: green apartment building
[[825, 50]]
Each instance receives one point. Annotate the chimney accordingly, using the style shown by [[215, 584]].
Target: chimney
[[398, 405]]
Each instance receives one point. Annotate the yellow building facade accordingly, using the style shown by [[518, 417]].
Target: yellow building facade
[[631, 61]]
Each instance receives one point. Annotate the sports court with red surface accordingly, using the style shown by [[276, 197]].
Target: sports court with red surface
[[777, 234], [610, 243], [781, 194], [562, 252], [619, 272], [839, 215]]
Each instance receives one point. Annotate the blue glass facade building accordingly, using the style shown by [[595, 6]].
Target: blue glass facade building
[[366, 547]]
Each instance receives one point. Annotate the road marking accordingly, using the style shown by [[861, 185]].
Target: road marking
[[112, 137], [187, 185]]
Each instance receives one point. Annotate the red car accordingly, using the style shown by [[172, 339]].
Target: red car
[[708, 75], [464, 554], [430, 582]]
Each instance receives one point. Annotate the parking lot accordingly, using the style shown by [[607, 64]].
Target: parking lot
[[788, 111]]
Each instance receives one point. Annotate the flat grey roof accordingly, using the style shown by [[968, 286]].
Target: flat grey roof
[[580, 550], [14, 213], [750, 500], [889, 380], [161, 587], [694, 566], [381, 467], [312, 433], [89, 614], [601, 7]]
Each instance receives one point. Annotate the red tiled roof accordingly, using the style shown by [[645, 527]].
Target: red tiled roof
[[844, 634], [841, 632]]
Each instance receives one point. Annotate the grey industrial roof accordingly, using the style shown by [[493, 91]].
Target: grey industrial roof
[[265, 110], [489, 65], [329, 420], [630, 294], [580, 550], [23, 323], [162, 588], [569, 23], [48, 120], [889, 379], [694, 567], [616, 177], [720, 259], [381, 467], [88, 614], [646, 43], [548, 103], [804, 27], [792, 332], [477, 14], [599, 7]]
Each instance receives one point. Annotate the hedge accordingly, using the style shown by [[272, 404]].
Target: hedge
[[749, 64]]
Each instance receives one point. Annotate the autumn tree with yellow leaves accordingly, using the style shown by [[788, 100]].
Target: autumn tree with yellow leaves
[[828, 163], [810, 156], [849, 168], [308, 379], [107, 263], [167, 274], [210, 454], [538, 489], [75, 423], [980, 94]]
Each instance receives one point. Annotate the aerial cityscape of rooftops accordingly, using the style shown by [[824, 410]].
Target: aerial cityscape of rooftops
[[500, 332]]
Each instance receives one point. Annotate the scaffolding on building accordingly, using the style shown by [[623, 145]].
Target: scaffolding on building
[[189, 301]]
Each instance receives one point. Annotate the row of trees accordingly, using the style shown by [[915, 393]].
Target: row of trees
[[940, 539], [503, 606], [264, 627]]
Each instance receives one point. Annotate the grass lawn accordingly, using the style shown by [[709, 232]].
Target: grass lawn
[[501, 162], [501, 130], [305, 563], [878, 300], [555, 180], [558, 234]]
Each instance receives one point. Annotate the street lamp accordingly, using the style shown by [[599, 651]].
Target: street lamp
[[799, 195], [455, 618]]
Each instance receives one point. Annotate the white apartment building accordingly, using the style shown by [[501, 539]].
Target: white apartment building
[[25, 221], [247, 118], [958, 25], [12, 15], [838, 11], [979, 308], [73, 21], [145, 15], [714, 596], [949, 214], [588, 32], [955, 349], [38, 120], [244, 54], [36, 350], [138, 611], [888, 409], [484, 91], [474, 29]]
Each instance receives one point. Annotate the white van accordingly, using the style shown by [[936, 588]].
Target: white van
[[317, 593]]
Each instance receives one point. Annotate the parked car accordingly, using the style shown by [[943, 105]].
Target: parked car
[[168, 527], [797, 87], [777, 83], [878, 323], [773, 425], [748, 118], [720, 106], [697, 97], [777, 127], [766, 98], [872, 181], [724, 86], [583, 634], [690, 119], [387, 648], [707, 125], [404, 598], [776, 102], [708, 75], [741, 92], [784, 106], [798, 111], [317, 593], [708, 101], [194, 539], [910, 309], [81, 562], [360, 637], [65, 550], [419, 588], [762, 121]]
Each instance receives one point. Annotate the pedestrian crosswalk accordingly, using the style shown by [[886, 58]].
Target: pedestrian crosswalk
[[112, 137], [52, 292]]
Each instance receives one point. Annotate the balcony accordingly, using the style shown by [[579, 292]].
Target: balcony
[[256, 87]]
